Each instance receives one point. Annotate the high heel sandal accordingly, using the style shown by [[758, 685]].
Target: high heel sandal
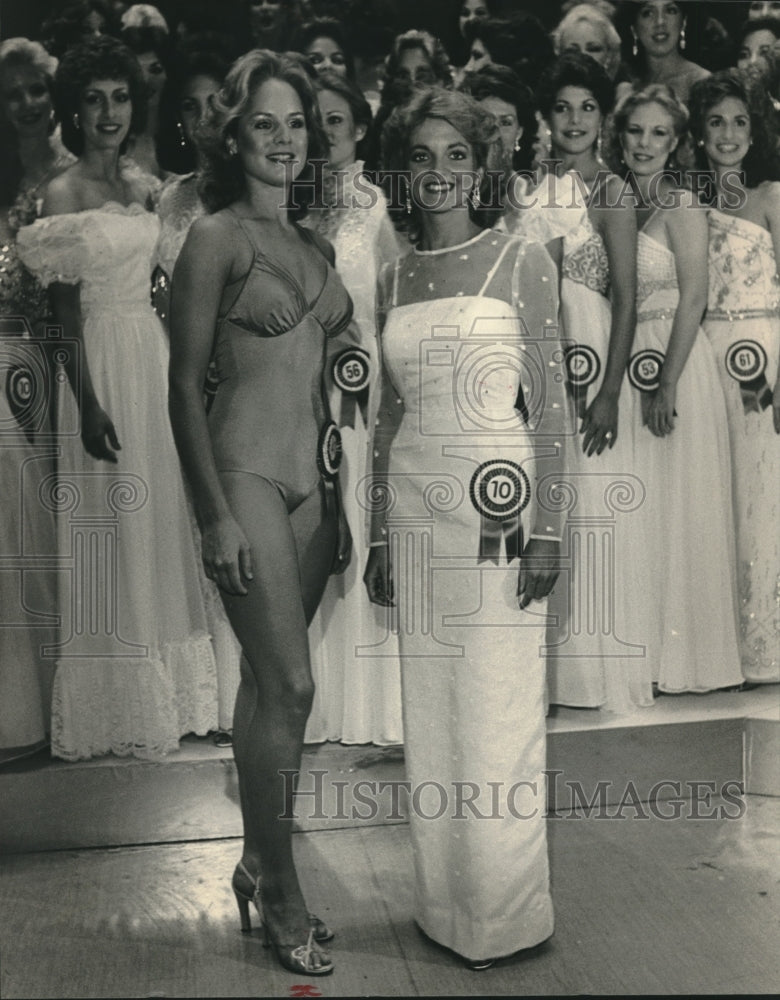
[[251, 894]]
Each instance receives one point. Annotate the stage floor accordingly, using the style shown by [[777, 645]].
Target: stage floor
[[684, 906]]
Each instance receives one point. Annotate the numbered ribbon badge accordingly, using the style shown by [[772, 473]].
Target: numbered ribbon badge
[[329, 451], [583, 367], [352, 374], [746, 363], [644, 370], [500, 491], [21, 395]]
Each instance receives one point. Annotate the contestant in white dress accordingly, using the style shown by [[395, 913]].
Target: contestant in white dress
[[596, 652], [733, 129], [681, 440], [354, 649], [463, 485], [135, 667]]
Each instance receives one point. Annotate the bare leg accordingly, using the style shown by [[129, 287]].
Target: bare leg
[[291, 557]]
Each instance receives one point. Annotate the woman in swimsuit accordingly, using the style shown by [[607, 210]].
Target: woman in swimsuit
[[259, 293]]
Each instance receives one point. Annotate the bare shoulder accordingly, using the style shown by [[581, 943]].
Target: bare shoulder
[[686, 210], [768, 194], [63, 194]]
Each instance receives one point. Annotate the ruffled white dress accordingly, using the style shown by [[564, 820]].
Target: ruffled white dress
[[135, 666], [743, 327]]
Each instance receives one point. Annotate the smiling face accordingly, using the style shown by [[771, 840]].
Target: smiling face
[[194, 101], [26, 100], [755, 48], [471, 10], [272, 136], [508, 126], [325, 54], [727, 133], [658, 26], [105, 113], [343, 135], [648, 139], [575, 121], [582, 36], [442, 166]]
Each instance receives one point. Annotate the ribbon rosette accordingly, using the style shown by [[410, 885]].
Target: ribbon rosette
[[500, 491]]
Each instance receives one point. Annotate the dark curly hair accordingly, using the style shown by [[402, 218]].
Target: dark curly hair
[[63, 30], [625, 19], [476, 125], [223, 180], [202, 55], [504, 83], [353, 95], [98, 58], [148, 38], [575, 69], [520, 42], [326, 27], [761, 162]]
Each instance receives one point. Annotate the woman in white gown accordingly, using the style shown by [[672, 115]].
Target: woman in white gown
[[463, 486], [135, 669], [733, 130], [596, 655], [353, 647], [32, 156], [681, 431]]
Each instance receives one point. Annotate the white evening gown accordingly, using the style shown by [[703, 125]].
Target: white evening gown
[[743, 327], [135, 666], [354, 648], [178, 206], [473, 671], [690, 604], [596, 656]]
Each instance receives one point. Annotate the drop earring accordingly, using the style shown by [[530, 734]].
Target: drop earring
[[232, 147], [182, 134], [408, 199], [76, 121], [682, 37], [517, 144], [634, 47], [474, 197]]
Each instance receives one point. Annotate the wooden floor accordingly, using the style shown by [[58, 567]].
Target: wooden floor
[[685, 906]]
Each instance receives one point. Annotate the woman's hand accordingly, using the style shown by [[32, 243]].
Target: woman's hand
[[96, 427], [658, 410], [539, 569], [776, 406], [599, 427], [378, 577], [227, 558], [344, 545]]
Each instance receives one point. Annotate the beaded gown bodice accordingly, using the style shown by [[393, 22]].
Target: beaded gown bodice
[[743, 270], [657, 292]]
